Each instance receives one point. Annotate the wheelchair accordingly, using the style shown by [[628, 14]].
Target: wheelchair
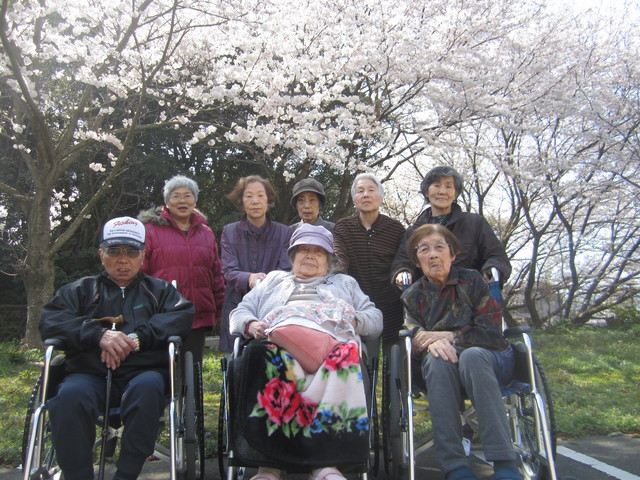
[[183, 418], [527, 400], [236, 454]]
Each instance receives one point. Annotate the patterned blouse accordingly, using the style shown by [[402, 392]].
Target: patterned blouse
[[463, 306]]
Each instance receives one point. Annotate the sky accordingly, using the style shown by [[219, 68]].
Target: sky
[[581, 5]]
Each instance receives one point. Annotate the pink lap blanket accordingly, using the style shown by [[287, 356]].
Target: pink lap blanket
[[284, 417]]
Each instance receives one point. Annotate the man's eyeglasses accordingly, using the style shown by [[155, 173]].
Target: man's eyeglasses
[[115, 252], [426, 248]]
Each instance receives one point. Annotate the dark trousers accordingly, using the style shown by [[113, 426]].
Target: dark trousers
[[477, 372], [75, 409]]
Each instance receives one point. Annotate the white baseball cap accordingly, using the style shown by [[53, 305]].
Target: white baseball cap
[[123, 231]]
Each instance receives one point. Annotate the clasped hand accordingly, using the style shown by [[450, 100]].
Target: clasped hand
[[438, 344], [116, 346]]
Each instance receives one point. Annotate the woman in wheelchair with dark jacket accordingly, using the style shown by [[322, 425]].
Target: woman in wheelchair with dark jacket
[[458, 338], [311, 411], [119, 320]]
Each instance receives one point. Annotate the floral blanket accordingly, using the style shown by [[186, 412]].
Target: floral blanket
[[287, 419]]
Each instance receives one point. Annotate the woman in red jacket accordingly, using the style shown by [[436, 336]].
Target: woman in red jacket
[[180, 246]]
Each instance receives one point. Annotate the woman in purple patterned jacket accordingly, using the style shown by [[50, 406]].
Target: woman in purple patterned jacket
[[458, 339]]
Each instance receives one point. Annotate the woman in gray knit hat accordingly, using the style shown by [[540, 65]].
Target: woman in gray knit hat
[[308, 199]]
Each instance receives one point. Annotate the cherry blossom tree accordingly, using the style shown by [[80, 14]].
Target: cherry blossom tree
[[553, 172], [324, 82], [66, 68], [316, 85]]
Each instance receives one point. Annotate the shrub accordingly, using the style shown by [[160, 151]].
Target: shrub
[[624, 316]]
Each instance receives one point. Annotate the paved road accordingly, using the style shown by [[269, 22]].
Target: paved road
[[596, 458]]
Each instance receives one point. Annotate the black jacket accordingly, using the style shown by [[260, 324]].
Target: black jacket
[[151, 307], [480, 249]]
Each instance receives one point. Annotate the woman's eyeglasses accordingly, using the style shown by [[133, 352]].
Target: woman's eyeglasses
[[176, 197], [426, 248], [115, 252]]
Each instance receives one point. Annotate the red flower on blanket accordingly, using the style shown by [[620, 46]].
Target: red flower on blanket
[[342, 356], [306, 413], [280, 400]]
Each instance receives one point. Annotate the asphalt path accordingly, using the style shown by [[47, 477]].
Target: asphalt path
[[616, 456]]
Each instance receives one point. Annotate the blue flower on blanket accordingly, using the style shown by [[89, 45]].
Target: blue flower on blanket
[[286, 410], [363, 424], [341, 418], [326, 417]]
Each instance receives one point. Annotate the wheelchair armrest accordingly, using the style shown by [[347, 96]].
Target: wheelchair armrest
[[175, 339], [516, 331], [237, 344], [53, 342], [405, 332]]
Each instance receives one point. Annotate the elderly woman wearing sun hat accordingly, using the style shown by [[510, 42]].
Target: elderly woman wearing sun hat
[[313, 320]]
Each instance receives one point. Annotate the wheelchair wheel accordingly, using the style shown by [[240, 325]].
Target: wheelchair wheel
[[398, 431], [38, 454], [535, 458], [384, 412], [226, 471], [222, 424], [374, 433], [31, 408], [202, 434], [193, 419]]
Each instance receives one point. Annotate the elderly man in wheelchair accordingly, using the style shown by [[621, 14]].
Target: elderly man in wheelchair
[[114, 329], [458, 337], [301, 403]]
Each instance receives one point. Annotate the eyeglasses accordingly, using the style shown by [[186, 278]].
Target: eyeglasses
[[176, 197], [115, 252], [426, 248]]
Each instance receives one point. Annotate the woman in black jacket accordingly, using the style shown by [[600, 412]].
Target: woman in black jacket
[[480, 249]]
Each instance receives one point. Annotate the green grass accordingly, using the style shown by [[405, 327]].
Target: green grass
[[212, 385], [594, 376], [18, 373], [593, 373]]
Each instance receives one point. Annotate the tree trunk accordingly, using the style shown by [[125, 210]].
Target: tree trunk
[[529, 288], [39, 273], [39, 287]]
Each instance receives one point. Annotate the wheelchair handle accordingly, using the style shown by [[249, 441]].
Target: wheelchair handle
[[495, 274], [406, 332], [406, 282]]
